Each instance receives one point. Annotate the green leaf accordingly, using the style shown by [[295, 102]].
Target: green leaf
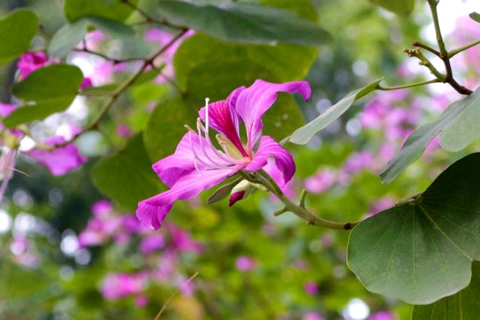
[[47, 90], [475, 16], [166, 126], [397, 6], [113, 28], [67, 37], [127, 176], [304, 134], [421, 251], [462, 305], [71, 34], [99, 91], [244, 22], [224, 191], [283, 63], [17, 31], [76, 9], [416, 143], [465, 128]]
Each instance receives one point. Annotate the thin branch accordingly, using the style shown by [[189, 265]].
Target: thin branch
[[173, 295], [300, 211]]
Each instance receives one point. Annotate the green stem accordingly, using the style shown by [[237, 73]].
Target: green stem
[[468, 46], [411, 85], [298, 210], [444, 55]]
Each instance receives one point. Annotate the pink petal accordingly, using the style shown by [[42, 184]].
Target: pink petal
[[223, 118], [254, 101], [152, 211], [60, 160], [182, 162], [283, 160]]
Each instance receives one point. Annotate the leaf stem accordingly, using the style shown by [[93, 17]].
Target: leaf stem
[[299, 210], [468, 46], [410, 85]]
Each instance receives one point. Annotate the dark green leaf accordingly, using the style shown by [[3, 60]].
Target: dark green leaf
[[47, 90], [282, 62], [307, 132], [166, 126], [396, 6], [113, 28], [222, 192], [421, 251], [17, 31], [244, 22], [465, 128], [76, 9], [475, 16], [419, 139], [462, 305], [127, 176], [67, 37], [105, 90]]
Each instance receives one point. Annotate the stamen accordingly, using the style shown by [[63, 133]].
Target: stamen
[[206, 114]]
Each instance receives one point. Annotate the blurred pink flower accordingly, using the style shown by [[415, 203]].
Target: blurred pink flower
[[120, 285], [182, 241], [311, 288], [382, 315], [123, 130], [152, 243], [59, 160], [244, 263], [30, 62], [323, 180], [311, 315]]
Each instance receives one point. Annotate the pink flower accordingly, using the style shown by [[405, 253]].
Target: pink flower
[[152, 243], [311, 288], [182, 241], [312, 316], [116, 286], [198, 165], [244, 263], [30, 62], [59, 160]]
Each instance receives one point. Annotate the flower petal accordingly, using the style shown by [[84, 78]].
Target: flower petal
[[283, 160], [193, 152], [223, 118], [254, 101], [152, 211], [60, 160]]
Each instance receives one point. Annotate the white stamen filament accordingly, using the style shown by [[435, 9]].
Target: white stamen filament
[[207, 100], [224, 156]]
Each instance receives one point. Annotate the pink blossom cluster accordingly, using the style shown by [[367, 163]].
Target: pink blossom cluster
[[162, 252]]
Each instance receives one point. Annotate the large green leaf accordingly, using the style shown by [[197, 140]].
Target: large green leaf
[[421, 251], [47, 90], [17, 31], [114, 10], [466, 127], [416, 143], [283, 62], [166, 126], [462, 305], [71, 34], [244, 22], [127, 176], [307, 132], [67, 37], [396, 6]]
